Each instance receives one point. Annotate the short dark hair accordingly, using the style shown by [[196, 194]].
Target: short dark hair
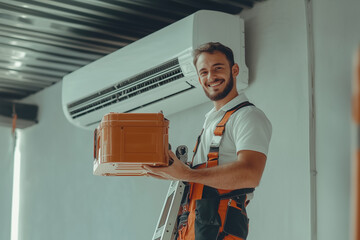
[[211, 47]]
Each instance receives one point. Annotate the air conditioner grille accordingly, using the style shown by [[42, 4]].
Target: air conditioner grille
[[141, 83]]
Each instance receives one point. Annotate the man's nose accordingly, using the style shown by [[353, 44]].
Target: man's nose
[[211, 76]]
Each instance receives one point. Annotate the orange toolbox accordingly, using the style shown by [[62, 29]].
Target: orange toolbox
[[124, 142]]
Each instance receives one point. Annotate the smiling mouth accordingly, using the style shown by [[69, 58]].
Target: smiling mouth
[[216, 83]]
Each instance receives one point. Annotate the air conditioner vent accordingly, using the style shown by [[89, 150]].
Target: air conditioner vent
[[139, 84]]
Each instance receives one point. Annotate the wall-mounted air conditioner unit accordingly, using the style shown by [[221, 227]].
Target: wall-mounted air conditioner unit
[[152, 74]]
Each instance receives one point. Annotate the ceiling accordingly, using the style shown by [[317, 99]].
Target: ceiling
[[41, 41]]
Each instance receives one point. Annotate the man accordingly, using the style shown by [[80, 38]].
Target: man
[[225, 159]]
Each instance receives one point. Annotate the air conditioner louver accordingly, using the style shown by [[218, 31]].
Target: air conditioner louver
[[139, 84]]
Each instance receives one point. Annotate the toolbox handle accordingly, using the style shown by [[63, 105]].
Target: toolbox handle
[[96, 143]]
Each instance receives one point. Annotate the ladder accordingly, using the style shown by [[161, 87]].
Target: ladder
[[166, 227]]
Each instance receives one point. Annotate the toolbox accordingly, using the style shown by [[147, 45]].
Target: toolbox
[[124, 142]]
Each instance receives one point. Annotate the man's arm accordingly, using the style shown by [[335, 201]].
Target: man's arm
[[246, 172]]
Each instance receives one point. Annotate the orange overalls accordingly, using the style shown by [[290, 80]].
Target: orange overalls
[[214, 214]]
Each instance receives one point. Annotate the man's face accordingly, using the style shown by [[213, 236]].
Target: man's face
[[215, 75]]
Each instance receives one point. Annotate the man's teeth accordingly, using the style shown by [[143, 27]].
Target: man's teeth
[[215, 84]]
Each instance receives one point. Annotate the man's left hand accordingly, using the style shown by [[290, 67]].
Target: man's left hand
[[176, 171]]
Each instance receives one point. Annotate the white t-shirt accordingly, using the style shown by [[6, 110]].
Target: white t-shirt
[[247, 129]]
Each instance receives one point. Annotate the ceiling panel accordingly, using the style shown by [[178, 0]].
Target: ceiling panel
[[41, 41]]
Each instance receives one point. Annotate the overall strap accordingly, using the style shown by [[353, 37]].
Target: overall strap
[[196, 147], [213, 154]]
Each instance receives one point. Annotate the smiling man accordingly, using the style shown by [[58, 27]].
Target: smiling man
[[228, 162]]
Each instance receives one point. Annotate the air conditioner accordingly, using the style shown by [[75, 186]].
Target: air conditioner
[[153, 74]]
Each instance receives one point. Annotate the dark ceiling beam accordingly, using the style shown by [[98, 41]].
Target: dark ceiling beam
[[7, 75], [159, 7], [86, 15], [21, 87], [65, 21], [209, 5], [242, 4]]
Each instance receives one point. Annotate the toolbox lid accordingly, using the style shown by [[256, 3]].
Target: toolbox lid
[[135, 119]]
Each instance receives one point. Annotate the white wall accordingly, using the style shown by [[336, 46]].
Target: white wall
[[337, 36], [276, 54], [6, 177], [62, 200]]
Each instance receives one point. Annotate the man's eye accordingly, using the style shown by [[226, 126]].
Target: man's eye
[[203, 74]]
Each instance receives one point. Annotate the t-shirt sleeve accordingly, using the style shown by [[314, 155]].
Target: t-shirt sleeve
[[252, 132]]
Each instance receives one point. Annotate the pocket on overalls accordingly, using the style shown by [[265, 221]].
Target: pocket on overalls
[[207, 219], [236, 222], [182, 225]]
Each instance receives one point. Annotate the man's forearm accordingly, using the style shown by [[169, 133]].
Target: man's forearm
[[231, 176], [245, 172]]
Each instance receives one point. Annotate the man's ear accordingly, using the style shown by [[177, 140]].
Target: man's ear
[[235, 70], [199, 80]]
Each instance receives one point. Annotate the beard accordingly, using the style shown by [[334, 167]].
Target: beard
[[221, 95]]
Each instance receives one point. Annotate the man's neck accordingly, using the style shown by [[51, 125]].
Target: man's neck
[[220, 103]]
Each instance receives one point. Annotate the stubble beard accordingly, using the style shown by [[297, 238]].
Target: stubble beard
[[221, 95]]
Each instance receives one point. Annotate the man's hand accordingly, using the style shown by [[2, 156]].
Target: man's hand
[[176, 171]]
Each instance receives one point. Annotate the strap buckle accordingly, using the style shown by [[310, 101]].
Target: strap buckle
[[215, 141], [249, 196]]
